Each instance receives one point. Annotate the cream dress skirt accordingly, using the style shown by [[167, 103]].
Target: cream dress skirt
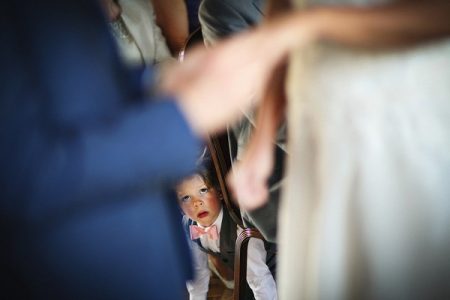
[[366, 208]]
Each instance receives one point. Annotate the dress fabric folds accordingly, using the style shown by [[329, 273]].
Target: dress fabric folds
[[366, 209]]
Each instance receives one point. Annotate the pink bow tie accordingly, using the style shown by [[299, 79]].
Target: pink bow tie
[[197, 232]]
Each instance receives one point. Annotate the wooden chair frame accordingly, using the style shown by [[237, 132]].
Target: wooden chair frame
[[222, 165]]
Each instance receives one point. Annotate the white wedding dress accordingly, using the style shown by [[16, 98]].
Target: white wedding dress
[[139, 39], [366, 209]]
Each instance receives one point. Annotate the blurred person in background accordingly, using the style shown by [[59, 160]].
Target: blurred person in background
[[88, 160], [365, 211]]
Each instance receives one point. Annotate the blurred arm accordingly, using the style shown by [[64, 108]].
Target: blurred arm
[[172, 18], [397, 24]]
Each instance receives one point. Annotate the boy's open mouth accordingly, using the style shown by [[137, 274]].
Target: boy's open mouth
[[202, 214]]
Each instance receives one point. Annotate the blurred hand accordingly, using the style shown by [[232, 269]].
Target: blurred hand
[[249, 178], [214, 85], [112, 9]]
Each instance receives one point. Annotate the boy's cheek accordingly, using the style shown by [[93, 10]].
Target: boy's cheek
[[185, 211], [189, 212]]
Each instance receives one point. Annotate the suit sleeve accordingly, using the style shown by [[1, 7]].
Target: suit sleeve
[[149, 144], [74, 130], [145, 149], [223, 18]]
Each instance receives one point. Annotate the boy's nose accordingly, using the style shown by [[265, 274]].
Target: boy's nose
[[197, 202]]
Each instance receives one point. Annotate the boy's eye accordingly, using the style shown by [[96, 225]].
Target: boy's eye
[[185, 199], [203, 191]]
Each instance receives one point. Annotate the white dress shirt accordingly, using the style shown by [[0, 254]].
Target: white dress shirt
[[259, 277]]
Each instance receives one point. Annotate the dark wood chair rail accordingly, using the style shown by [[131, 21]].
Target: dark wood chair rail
[[218, 147]]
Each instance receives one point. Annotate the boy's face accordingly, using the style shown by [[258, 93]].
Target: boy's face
[[198, 201]]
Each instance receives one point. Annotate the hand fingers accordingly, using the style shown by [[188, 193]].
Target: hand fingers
[[248, 188]]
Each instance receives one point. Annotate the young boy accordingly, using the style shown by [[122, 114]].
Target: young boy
[[212, 231]]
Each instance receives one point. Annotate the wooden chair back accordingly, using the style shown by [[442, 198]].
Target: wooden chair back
[[219, 149]]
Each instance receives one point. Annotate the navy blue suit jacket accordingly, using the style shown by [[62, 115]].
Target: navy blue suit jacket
[[86, 161]]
